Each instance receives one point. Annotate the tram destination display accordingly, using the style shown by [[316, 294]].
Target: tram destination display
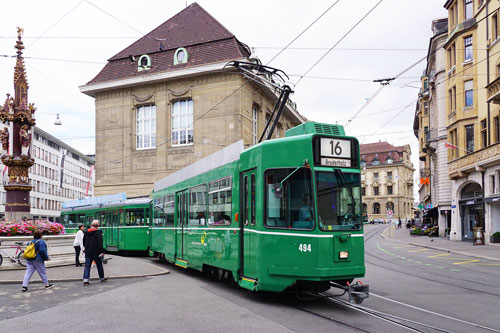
[[335, 152]]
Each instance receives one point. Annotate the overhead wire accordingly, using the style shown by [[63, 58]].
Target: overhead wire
[[303, 31], [55, 23], [340, 40]]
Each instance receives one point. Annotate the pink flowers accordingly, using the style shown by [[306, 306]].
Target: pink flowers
[[28, 227]]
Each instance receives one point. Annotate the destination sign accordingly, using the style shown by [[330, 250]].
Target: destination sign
[[331, 147], [335, 162]]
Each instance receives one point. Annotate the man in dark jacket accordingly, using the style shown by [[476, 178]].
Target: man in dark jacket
[[94, 251]]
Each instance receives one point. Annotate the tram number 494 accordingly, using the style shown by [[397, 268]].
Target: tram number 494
[[305, 247]]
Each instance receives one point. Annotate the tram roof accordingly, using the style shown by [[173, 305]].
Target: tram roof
[[127, 202], [224, 156]]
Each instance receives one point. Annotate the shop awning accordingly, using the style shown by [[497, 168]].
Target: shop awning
[[432, 213]]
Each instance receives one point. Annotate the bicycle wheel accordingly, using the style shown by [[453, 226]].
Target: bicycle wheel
[[21, 260], [1, 260]]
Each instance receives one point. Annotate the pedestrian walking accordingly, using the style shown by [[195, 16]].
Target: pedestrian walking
[[94, 251], [399, 223], [78, 244], [38, 263]]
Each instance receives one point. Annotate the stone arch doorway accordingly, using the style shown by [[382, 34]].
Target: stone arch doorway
[[471, 210]]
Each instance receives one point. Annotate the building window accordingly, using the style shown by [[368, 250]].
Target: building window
[[389, 206], [452, 56], [453, 99], [146, 127], [375, 190], [469, 9], [389, 190], [389, 175], [363, 191], [182, 122], [469, 93], [492, 184], [453, 140], [484, 136], [469, 138], [468, 48], [376, 208], [376, 161], [375, 177], [426, 134], [426, 108], [496, 127], [455, 15], [494, 26], [254, 124]]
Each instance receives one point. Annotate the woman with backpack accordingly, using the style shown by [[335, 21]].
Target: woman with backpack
[[38, 262]]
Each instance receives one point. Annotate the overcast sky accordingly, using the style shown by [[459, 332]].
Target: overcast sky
[[69, 41]]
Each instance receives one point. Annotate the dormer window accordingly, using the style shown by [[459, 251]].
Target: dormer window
[[181, 56], [376, 161], [144, 63]]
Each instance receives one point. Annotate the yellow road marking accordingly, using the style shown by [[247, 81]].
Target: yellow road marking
[[466, 262], [478, 264], [438, 255], [420, 250], [402, 247]]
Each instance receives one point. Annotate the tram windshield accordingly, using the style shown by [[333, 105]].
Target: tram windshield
[[338, 200]]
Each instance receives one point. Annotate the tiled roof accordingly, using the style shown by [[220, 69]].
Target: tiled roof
[[381, 150], [206, 40]]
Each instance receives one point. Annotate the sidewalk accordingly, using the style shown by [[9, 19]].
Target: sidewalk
[[486, 252], [116, 268]]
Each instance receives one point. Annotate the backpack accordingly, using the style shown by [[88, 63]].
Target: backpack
[[29, 251]]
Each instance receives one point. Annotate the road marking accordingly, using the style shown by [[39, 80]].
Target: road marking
[[420, 250], [455, 270], [438, 255], [466, 262], [402, 247]]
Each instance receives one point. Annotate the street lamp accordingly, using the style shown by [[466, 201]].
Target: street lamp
[[58, 119]]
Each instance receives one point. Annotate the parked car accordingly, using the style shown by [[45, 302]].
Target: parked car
[[378, 221]]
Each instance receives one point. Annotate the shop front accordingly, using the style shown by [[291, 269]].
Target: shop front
[[471, 210]]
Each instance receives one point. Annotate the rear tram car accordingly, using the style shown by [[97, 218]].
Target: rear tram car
[[283, 213], [125, 222]]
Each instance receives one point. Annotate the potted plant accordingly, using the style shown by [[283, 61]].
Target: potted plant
[[495, 238]]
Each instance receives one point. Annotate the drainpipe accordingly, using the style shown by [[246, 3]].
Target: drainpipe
[[488, 123]]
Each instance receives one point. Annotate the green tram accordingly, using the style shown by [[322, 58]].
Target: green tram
[[283, 213], [125, 223]]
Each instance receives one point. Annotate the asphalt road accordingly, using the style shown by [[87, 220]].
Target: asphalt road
[[444, 292]]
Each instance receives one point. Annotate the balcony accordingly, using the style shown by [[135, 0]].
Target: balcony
[[493, 91], [475, 161]]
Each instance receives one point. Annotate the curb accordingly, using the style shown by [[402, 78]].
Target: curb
[[164, 272], [441, 249]]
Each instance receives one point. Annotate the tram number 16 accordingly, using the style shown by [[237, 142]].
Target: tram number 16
[[305, 247]]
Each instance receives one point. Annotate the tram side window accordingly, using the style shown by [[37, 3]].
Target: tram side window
[[159, 213], [198, 205], [102, 218], [169, 209], [219, 202], [135, 217], [289, 199]]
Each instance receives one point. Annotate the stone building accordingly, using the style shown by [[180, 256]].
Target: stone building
[[169, 99], [473, 113], [430, 129], [386, 181], [49, 191]]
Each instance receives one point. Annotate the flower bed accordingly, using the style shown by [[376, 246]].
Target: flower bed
[[28, 227]]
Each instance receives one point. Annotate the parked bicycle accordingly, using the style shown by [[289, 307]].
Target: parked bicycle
[[17, 257]]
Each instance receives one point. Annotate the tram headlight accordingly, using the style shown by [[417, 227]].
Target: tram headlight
[[344, 254]]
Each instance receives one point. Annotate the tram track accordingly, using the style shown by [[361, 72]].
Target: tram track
[[447, 280]]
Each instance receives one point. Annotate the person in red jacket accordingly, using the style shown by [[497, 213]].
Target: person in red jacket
[[94, 251]]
